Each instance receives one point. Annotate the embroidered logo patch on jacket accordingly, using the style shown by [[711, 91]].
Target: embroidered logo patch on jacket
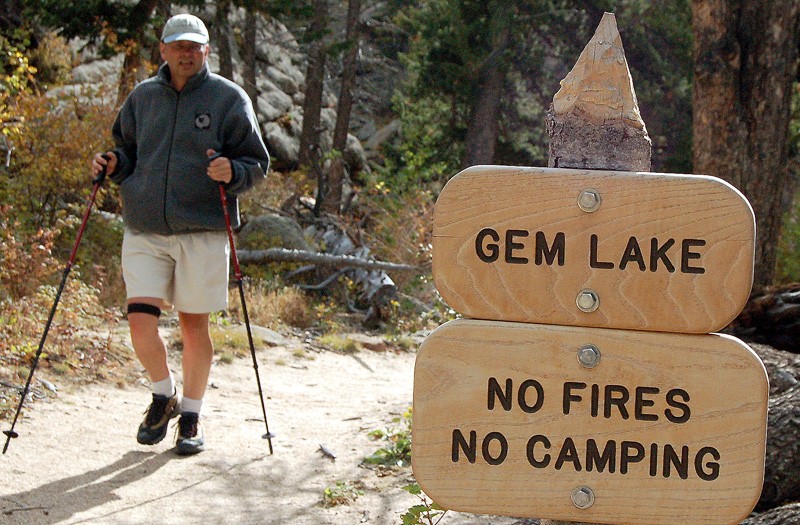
[[202, 121]]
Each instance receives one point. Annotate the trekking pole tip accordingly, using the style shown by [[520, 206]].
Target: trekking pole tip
[[11, 434], [268, 436]]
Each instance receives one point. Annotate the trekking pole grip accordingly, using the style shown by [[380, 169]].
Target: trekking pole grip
[[102, 175]]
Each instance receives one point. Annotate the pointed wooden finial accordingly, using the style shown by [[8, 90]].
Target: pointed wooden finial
[[594, 121]]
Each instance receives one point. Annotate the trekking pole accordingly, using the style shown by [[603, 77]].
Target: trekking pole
[[96, 182], [238, 275]]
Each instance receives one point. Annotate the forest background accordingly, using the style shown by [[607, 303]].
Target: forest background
[[449, 83]]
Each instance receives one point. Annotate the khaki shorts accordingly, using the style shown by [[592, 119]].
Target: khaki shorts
[[189, 271]]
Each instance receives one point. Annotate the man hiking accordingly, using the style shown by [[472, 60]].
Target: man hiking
[[175, 248]]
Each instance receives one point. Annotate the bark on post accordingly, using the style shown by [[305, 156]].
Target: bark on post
[[594, 122]]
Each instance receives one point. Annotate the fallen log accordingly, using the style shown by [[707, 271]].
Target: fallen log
[[783, 368], [782, 470], [772, 317], [336, 261], [780, 516]]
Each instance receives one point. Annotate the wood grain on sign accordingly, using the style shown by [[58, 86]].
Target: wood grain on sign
[[666, 428], [663, 252]]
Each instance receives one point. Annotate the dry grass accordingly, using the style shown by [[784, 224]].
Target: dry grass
[[273, 308]]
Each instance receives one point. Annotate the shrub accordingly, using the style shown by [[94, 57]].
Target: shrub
[[23, 263]]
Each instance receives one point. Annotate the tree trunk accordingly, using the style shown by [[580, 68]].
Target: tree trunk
[[223, 40], [745, 61], [163, 10], [249, 72], [315, 74], [133, 67], [483, 127], [310, 154], [332, 201]]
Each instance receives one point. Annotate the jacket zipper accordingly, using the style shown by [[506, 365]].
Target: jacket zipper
[[169, 154]]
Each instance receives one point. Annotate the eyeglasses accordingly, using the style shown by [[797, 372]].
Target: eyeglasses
[[186, 47]]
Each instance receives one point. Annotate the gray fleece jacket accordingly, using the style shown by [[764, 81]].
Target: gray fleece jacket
[[162, 136]]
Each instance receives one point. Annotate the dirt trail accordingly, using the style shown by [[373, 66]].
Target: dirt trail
[[77, 460]]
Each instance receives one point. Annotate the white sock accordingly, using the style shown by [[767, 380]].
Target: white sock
[[165, 387], [191, 405]]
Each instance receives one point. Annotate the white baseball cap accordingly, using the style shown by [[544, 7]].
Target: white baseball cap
[[185, 27]]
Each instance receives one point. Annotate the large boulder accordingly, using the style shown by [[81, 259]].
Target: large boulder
[[272, 231], [282, 144]]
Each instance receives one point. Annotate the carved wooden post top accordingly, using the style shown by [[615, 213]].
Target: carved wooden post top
[[594, 121]]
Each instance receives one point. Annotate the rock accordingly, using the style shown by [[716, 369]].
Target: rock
[[98, 71], [264, 335], [354, 155], [286, 83], [782, 469], [370, 342], [272, 102], [771, 316], [272, 231], [281, 145]]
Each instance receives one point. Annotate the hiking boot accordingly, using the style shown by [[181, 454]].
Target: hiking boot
[[190, 435], [154, 427]]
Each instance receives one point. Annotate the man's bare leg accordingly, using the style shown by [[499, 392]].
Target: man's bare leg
[[143, 313]]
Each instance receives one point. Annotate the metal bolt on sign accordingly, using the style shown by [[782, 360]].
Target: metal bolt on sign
[[587, 301], [583, 497], [589, 200], [589, 356]]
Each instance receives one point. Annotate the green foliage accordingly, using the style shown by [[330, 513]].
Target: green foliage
[[50, 165], [92, 19], [343, 493], [47, 142], [426, 513], [429, 151], [397, 449], [451, 41], [47, 181], [788, 259]]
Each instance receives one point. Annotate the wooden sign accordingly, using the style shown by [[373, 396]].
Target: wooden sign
[[637, 251], [589, 425]]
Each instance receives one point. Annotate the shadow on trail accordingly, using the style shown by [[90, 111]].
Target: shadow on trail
[[59, 500]]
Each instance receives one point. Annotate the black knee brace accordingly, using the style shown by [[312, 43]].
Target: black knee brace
[[144, 308]]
